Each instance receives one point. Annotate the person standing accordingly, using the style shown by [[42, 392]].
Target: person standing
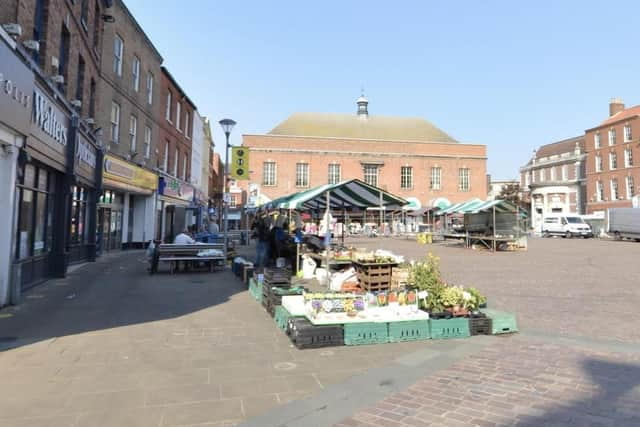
[[261, 231]]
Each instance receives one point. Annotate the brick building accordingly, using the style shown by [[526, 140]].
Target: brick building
[[408, 157], [613, 153], [554, 179], [176, 130], [128, 111]]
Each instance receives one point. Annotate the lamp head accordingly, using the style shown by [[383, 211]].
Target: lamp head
[[227, 125]]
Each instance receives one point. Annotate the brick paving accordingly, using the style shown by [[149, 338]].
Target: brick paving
[[517, 383]]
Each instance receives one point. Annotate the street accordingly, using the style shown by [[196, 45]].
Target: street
[[112, 346]]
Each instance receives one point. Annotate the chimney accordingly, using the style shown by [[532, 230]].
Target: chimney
[[615, 106]]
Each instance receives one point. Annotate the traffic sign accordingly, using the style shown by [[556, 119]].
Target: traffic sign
[[240, 163]]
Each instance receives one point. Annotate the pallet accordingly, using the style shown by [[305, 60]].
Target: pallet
[[457, 327], [413, 330], [365, 333], [303, 334]]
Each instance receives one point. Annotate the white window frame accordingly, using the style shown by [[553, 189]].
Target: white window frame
[[598, 161], [167, 111], [115, 122], [165, 160], [135, 71], [597, 143], [599, 191], [464, 179], [541, 175], [627, 133], [269, 174], [527, 179], [184, 167], [118, 55], [187, 117], [613, 187], [178, 115], [629, 183], [613, 160], [565, 173], [147, 142], [335, 172], [552, 173], [133, 133], [628, 157], [406, 177], [150, 81], [176, 159], [302, 174], [612, 136], [435, 182], [371, 174]]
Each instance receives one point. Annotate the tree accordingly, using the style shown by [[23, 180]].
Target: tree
[[513, 194]]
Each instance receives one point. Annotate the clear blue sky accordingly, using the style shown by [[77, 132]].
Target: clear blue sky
[[512, 75]]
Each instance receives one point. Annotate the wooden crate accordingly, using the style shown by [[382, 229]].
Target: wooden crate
[[374, 277]]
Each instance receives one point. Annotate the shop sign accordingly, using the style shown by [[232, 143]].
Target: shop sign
[[50, 119], [122, 171], [177, 189], [85, 153], [16, 86]]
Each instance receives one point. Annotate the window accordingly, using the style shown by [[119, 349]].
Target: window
[[135, 71], [599, 191], [118, 52], [598, 163], [167, 111], [614, 189], [185, 159], [627, 133], [527, 179], [96, 26], [176, 158], [406, 177], [147, 142], [436, 178], [612, 136], [334, 174], [149, 88], [178, 115], [165, 158], [541, 174], [84, 13], [34, 211], [552, 172], [133, 131], [596, 140], [302, 174], [115, 122], [80, 79], [38, 25], [631, 189], [613, 161], [371, 174], [92, 99], [63, 60], [463, 179], [628, 157], [187, 118], [269, 173], [565, 172], [78, 231]]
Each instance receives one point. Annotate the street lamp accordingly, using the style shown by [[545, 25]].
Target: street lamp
[[227, 126]]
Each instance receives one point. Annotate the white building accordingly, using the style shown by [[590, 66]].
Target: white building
[[496, 187], [555, 179], [196, 151]]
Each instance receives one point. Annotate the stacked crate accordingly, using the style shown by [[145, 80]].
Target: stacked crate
[[374, 277], [274, 278], [303, 334]]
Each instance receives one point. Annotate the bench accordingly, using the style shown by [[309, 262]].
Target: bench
[[174, 253]]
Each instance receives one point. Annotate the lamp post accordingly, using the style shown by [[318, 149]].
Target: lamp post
[[227, 126]]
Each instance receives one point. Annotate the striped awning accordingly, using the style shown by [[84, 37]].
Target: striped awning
[[460, 207], [344, 195], [488, 206]]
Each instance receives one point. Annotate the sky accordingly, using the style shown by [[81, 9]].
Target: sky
[[507, 74]]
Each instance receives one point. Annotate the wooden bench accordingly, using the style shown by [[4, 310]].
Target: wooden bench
[[174, 253]]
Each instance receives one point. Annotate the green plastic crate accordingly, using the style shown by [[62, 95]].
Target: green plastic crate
[[365, 333], [281, 317], [457, 327], [413, 330], [255, 289], [501, 321]]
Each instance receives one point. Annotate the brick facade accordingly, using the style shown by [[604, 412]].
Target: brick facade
[[120, 88], [627, 169], [177, 140], [83, 32], [353, 154]]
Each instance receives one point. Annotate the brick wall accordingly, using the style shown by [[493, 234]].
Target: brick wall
[[352, 154]]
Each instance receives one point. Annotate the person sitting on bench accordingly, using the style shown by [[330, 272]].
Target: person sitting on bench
[[184, 239]]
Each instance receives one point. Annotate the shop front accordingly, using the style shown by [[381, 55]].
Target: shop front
[[175, 210], [16, 89], [125, 209]]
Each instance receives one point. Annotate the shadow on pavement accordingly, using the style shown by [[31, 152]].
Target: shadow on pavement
[[115, 291], [615, 403]]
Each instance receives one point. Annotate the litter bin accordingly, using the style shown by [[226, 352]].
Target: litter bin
[[428, 238]]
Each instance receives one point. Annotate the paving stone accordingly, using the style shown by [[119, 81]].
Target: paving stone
[[203, 412], [139, 417], [256, 405], [182, 394]]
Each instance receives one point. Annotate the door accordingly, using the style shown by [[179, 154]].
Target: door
[[105, 229]]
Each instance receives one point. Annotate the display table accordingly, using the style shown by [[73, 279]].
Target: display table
[[333, 263], [294, 304], [370, 315]]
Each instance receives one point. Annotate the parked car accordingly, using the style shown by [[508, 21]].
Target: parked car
[[624, 222], [565, 225]]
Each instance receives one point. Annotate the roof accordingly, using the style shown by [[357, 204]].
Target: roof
[[137, 26], [557, 148], [352, 126], [624, 114], [173, 81]]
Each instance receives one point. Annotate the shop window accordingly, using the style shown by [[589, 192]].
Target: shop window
[[78, 214], [35, 212]]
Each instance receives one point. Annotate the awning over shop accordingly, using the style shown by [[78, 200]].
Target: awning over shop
[[347, 194], [502, 206], [460, 207]]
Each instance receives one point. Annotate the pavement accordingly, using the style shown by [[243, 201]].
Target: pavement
[[112, 346]]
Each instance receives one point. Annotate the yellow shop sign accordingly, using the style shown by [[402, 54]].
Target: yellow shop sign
[[127, 173]]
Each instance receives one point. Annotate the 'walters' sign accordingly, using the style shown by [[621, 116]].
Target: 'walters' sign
[[46, 118]]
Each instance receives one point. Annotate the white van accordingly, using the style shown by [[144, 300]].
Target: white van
[[565, 225]]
